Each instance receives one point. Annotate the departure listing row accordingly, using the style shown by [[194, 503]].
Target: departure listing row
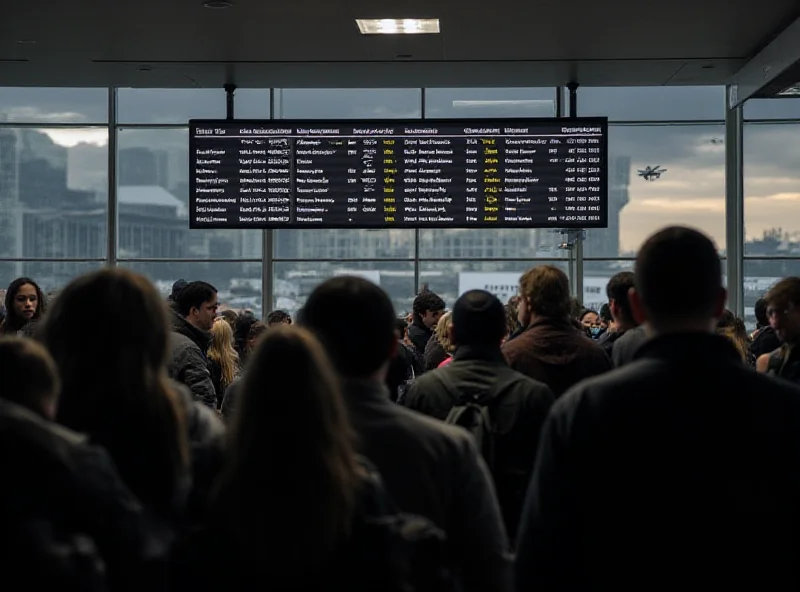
[[531, 173]]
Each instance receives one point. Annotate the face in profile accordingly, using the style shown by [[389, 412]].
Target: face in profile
[[431, 317]]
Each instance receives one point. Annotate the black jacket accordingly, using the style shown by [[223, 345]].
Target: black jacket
[[69, 522], [765, 341], [682, 466], [518, 406], [189, 361], [419, 335]]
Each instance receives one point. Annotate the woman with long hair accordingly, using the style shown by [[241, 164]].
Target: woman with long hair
[[223, 359], [25, 305], [107, 333]]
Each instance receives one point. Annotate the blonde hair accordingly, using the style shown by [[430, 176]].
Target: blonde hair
[[443, 332], [221, 351]]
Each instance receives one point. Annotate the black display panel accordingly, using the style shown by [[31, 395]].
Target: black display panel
[[500, 173]]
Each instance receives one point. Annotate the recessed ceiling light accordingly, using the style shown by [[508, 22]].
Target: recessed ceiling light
[[397, 26], [26, 41], [217, 4]]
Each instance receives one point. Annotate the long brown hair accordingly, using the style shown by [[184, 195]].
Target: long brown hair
[[288, 491], [107, 332]]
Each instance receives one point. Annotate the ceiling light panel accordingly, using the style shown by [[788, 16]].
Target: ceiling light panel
[[398, 26]]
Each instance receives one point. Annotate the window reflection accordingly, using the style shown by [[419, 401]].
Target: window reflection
[[353, 103], [153, 203], [54, 105], [176, 106], [771, 189], [53, 192], [460, 103], [689, 191], [657, 103], [294, 282]]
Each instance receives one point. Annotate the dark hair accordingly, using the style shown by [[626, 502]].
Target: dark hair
[[670, 260], [13, 322], [315, 486], [193, 295], [114, 379], [426, 301], [28, 375], [605, 313], [587, 311], [357, 344], [401, 325], [255, 330], [279, 317], [479, 319], [784, 293], [177, 287], [760, 310], [230, 317], [617, 290]]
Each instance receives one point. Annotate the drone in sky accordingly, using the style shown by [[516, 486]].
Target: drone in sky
[[651, 173]]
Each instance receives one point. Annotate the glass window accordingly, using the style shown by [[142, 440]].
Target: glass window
[[239, 284], [450, 280], [505, 243], [54, 105], [294, 282], [771, 189], [53, 192], [759, 276], [51, 276], [351, 103], [684, 184], [651, 103], [344, 244], [772, 109], [153, 203], [459, 103], [177, 106], [596, 275]]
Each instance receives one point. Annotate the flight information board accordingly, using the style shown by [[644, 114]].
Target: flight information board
[[526, 173]]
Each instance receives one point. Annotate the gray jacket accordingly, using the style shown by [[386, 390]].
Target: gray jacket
[[188, 362], [435, 470]]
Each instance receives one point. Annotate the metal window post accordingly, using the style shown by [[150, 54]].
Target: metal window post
[[267, 248], [417, 233], [576, 250], [111, 202], [734, 203]]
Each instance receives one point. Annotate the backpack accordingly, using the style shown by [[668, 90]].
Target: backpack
[[469, 414], [395, 551], [475, 417]]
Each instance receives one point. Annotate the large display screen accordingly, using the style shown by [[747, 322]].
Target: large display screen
[[526, 173]]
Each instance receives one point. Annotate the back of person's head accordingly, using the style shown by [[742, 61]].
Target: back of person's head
[[400, 327], [229, 316], [221, 350], [114, 379], [443, 332], [668, 262], [177, 287], [617, 290], [426, 301], [278, 317], [760, 311], [546, 291], [605, 314], [479, 320], [354, 319], [193, 295], [28, 376], [315, 485]]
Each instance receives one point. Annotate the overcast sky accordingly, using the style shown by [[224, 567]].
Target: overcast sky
[[690, 192]]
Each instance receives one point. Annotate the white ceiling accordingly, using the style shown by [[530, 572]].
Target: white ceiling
[[315, 43]]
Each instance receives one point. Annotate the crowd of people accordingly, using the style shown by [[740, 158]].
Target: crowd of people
[[170, 444]]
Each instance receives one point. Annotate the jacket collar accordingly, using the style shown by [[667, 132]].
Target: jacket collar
[[184, 327], [687, 347], [481, 353]]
